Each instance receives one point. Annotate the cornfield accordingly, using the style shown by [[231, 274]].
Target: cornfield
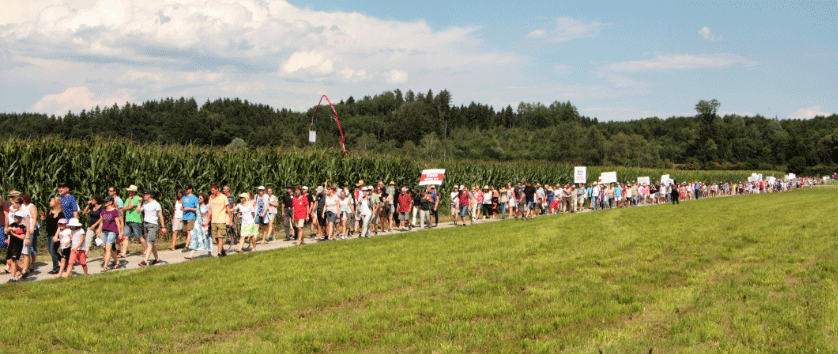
[[36, 166]]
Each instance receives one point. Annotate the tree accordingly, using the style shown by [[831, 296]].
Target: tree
[[707, 108]]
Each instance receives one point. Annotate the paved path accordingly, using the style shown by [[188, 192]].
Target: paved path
[[133, 260]]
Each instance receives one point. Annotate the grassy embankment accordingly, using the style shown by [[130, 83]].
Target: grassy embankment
[[743, 274]]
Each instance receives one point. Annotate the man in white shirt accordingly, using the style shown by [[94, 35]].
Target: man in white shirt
[[153, 223]]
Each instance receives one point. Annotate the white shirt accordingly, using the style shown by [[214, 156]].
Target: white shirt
[[178, 210], [332, 204], [595, 191], [365, 207], [487, 197], [150, 210], [76, 237], [247, 211], [64, 237]]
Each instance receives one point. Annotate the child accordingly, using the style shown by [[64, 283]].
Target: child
[[16, 232], [77, 249], [62, 236]]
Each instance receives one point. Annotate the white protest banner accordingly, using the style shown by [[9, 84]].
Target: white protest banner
[[608, 177], [580, 174], [431, 177], [791, 176], [644, 180], [771, 179], [665, 180], [759, 177]]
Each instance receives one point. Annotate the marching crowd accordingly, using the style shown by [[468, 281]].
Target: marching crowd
[[329, 212]]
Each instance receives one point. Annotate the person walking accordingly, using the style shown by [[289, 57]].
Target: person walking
[[189, 206], [153, 224], [330, 212], [273, 204], [366, 213], [109, 229], [177, 219], [301, 213], [78, 252], [51, 218], [200, 239], [249, 228], [288, 213], [133, 221], [261, 212], [405, 204]]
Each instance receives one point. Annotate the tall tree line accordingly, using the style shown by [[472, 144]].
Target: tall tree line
[[426, 125]]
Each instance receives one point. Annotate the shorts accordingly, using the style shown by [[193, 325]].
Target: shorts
[[463, 210], [375, 219], [392, 208], [403, 216], [249, 230], [177, 224], [134, 229], [330, 217], [65, 253], [109, 237], [77, 256], [188, 225], [14, 249], [151, 231], [300, 223], [269, 217], [32, 249], [218, 230], [321, 220], [344, 215]]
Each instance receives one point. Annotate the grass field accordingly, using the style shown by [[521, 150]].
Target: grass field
[[741, 274]]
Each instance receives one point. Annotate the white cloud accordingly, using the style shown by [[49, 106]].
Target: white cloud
[[76, 99], [681, 62], [568, 28], [808, 113], [160, 48], [537, 34], [396, 77], [707, 34]]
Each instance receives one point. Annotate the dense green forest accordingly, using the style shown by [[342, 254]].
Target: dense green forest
[[427, 125]]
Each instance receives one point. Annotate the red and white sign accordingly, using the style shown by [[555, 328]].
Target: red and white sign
[[431, 177]]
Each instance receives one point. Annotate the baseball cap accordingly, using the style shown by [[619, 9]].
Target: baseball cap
[[62, 221], [261, 188], [319, 189], [108, 199], [305, 188], [20, 214], [244, 195]]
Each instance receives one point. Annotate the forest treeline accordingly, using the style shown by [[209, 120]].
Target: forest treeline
[[428, 126]]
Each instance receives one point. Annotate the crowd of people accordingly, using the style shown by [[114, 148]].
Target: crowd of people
[[329, 212]]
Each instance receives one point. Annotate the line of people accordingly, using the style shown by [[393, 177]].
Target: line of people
[[331, 212]]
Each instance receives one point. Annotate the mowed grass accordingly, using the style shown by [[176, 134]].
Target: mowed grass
[[741, 274]]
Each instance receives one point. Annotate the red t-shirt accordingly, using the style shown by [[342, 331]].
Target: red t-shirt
[[300, 207], [464, 198], [404, 202]]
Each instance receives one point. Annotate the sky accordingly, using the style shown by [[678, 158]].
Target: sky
[[617, 60]]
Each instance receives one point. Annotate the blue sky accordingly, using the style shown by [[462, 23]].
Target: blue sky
[[613, 60]]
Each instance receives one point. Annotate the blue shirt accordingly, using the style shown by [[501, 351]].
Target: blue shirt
[[69, 205], [549, 196], [618, 191], [189, 201]]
